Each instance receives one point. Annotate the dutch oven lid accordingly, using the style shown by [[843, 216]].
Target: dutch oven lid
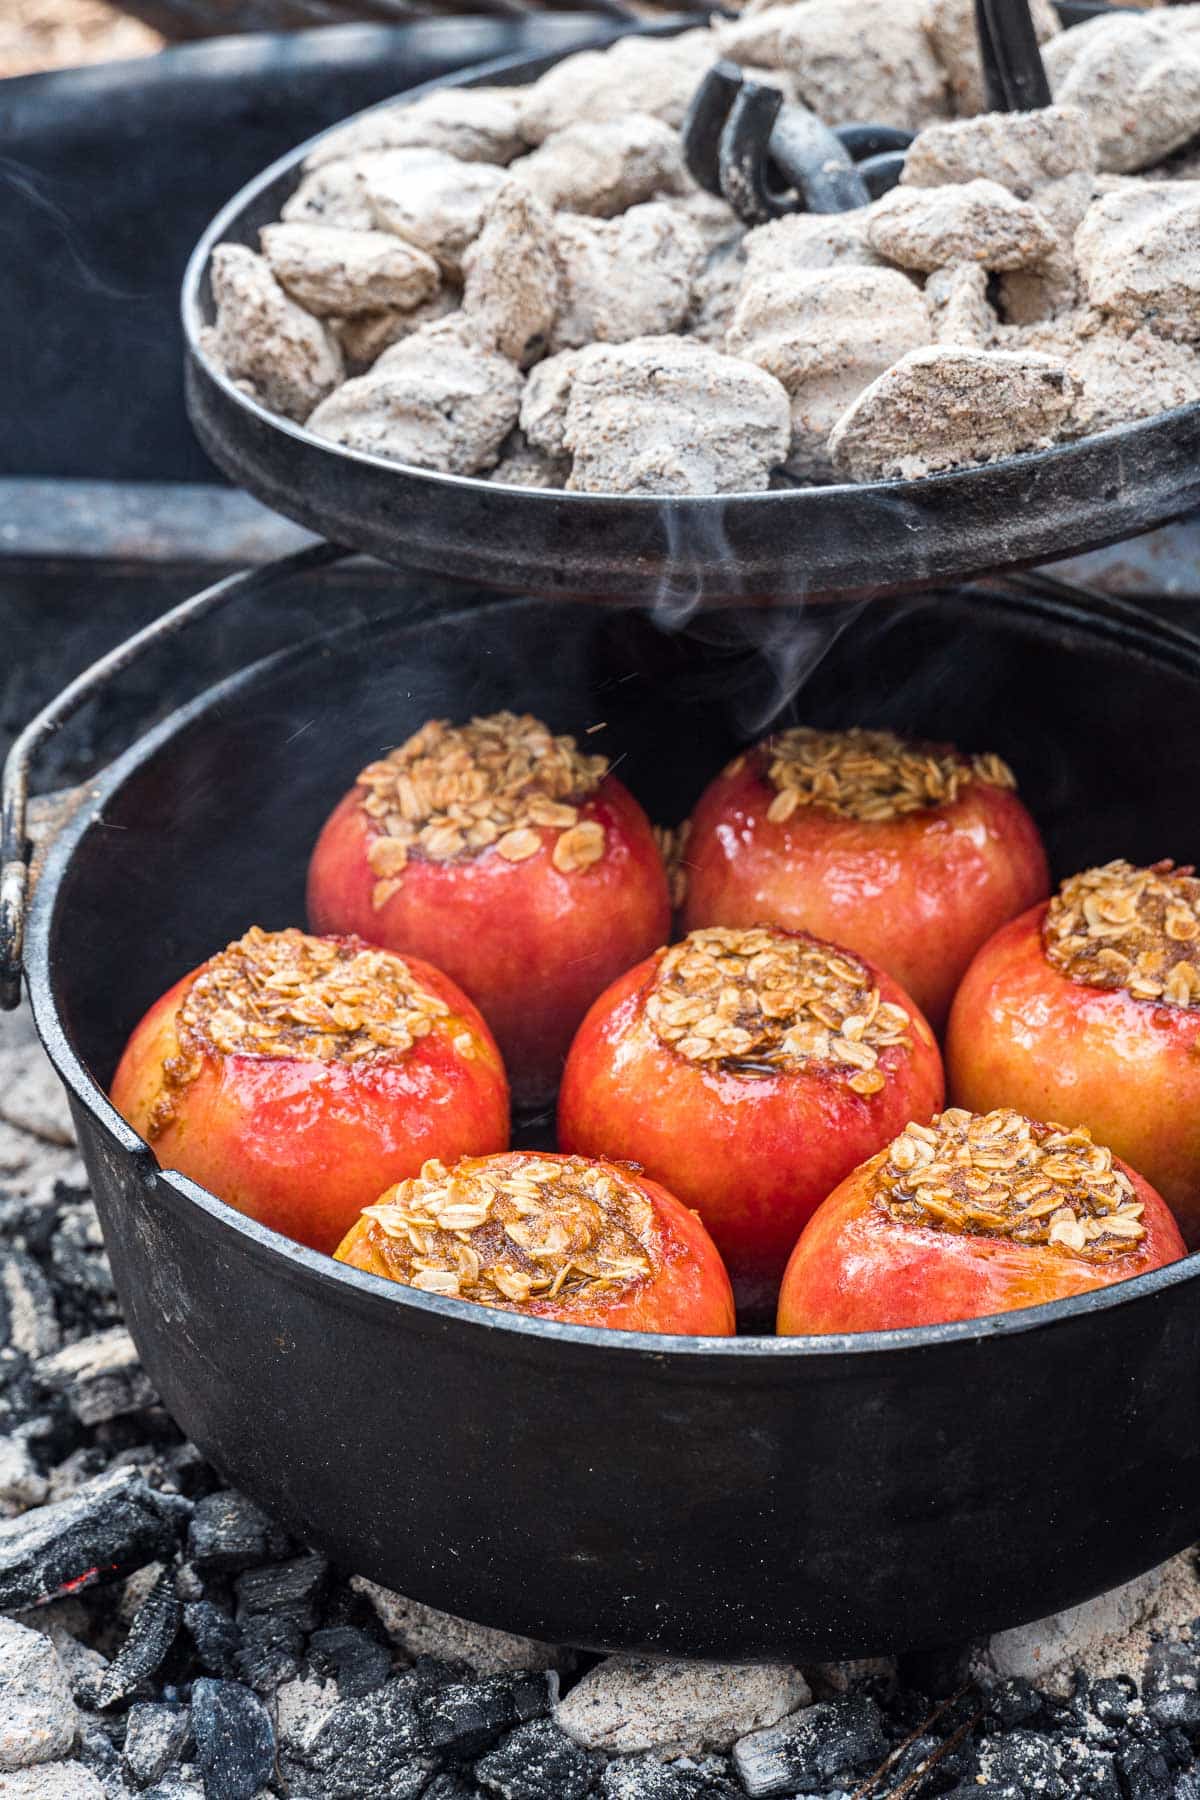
[[830, 544]]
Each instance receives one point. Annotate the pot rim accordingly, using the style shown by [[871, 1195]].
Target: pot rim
[[371, 1293]]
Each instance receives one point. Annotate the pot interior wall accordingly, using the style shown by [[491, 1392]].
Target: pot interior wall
[[210, 831]]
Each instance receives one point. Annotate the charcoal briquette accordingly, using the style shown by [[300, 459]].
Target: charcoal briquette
[[102, 1532], [464, 1717], [216, 1637], [154, 1739], [290, 1590], [355, 1661], [229, 1532], [270, 1651], [153, 1631], [537, 1762], [235, 1742]]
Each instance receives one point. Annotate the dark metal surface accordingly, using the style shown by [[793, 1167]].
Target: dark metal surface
[[1014, 76], [827, 544], [751, 1497]]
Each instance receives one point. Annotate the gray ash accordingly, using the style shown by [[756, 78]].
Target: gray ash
[[162, 1636]]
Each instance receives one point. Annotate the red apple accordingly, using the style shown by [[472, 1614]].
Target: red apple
[[294, 1077], [975, 1214], [749, 1072], [907, 852], [558, 1237], [1089, 1008], [510, 860]]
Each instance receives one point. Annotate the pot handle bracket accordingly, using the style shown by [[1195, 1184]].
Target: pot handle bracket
[[16, 828]]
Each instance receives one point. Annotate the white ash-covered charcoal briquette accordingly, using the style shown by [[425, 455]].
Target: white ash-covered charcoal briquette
[[671, 416], [715, 294], [951, 28], [1138, 80], [437, 400], [545, 399], [712, 217], [431, 200], [1048, 156], [261, 337], [627, 277], [1139, 257], [949, 407], [959, 309], [637, 74], [802, 242], [332, 196], [366, 336], [333, 271], [513, 288], [523, 464], [826, 335], [1120, 374], [470, 124], [871, 60], [606, 166], [970, 221]]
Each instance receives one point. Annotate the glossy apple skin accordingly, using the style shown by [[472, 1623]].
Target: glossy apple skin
[[918, 895], [303, 1145], [755, 1155], [1023, 1035], [856, 1268], [689, 1294], [531, 946]]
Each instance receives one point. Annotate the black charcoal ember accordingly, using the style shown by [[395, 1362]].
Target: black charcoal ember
[[645, 1778], [216, 1637], [154, 1739], [101, 1532], [81, 1268], [465, 1717], [1091, 1771], [28, 1320], [188, 1471], [291, 1590], [824, 1748], [1113, 1698], [1144, 1773], [153, 1631], [99, 1377], [1014, 1702], [537, 1762], [1025, 1760], [355, 1661], [366, 1744], [452, 1787], [228, 1532], [1176, 1709], [270, 1651], [945, 1767], [1187, 1787], [20, 1400], [235, 1742], [1171, 1664]]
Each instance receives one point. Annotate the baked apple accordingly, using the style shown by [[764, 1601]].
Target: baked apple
[[1089, 1008], [908, 852], [296, 1076], [507, 858], [749, 1072], [973, 1214], [558, 1237]]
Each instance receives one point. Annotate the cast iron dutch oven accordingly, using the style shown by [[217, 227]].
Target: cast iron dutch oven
[[752, 1497]]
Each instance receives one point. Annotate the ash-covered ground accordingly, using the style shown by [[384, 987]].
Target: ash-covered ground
[[160, 1636]]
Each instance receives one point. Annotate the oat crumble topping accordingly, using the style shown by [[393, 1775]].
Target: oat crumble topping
[[286, 994], [1123, 927], [764, 1001], [454, 790], [504, 1230], [1001, 1175], [869, 775]]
